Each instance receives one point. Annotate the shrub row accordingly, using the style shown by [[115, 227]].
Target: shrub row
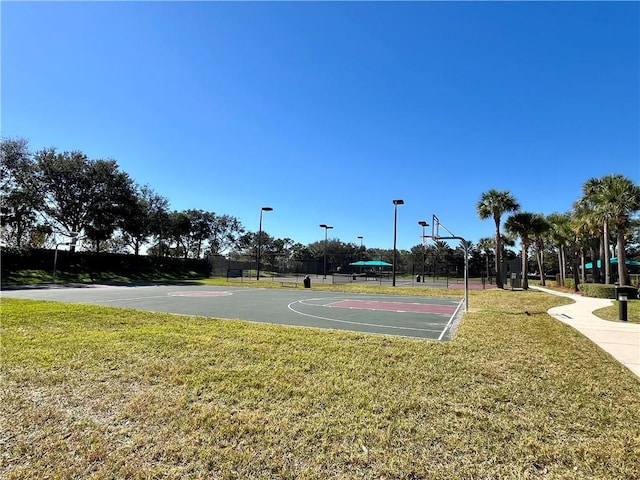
[[93, 263], [598, 290]]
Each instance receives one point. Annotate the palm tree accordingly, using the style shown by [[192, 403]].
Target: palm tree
[[560, 234], [539, 235], [493, 204], [522, 225], [591, 201], [587, 223], [611, 201], [487, 245], [621, 198], [442, 251]]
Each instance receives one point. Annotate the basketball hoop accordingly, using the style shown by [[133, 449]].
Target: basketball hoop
[[436, 235]]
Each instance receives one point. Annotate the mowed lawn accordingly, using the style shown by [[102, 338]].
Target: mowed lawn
[[104, 393]]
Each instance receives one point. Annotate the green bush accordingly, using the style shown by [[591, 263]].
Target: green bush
[[555, 281], [598, 290]]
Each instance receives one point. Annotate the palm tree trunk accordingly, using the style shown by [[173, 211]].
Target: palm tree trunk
[[561, 265], [623, 276], [594, 266], [499, 281], [607, 255], [576, 277], [525, 274], [602, 257], [540, 260]]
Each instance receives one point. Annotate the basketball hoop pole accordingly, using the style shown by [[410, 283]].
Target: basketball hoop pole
[[465, 246]]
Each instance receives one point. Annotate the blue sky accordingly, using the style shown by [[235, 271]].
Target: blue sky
[[327, 111]]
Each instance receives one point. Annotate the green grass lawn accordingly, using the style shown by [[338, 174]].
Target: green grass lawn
[[97, 392], [612, 313]]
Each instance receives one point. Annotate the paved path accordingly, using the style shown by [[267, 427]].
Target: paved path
[[620, 339]]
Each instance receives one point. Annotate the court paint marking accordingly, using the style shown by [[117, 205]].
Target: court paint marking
[[400, 307], [348, 322], [124, 299], [453, 317], [199, 293]]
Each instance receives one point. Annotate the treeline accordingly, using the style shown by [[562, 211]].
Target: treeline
[[54, 197], [51, 198], [600, 226]]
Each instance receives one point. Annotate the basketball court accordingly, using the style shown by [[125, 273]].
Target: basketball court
[[408, 316]]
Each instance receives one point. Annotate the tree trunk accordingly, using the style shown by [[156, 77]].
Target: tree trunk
[[594, 266], [601, 258], [623, 276], [607, 258], [561, 265], [540, 260], [499, 280], [576, 277], [525, 273]]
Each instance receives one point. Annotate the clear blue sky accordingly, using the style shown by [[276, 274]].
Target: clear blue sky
[[328, 111]]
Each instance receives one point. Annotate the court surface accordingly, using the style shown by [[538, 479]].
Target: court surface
[[418, 317]]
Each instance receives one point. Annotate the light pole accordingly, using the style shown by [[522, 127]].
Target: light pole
[[326, 229], [395, 231], [263, 209], [424, 225], [360, 237]]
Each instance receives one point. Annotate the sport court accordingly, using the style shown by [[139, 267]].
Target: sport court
[[415, 316]]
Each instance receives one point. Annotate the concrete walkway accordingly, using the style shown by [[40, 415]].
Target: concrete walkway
[[620, 339]]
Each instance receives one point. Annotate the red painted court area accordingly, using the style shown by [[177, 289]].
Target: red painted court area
[[395, 306]]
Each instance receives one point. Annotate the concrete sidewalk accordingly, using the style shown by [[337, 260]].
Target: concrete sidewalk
[[620, 339]]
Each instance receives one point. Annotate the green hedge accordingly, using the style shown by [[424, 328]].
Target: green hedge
[[598, 290]]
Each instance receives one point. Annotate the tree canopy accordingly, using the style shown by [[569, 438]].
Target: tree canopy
[[48, 196]]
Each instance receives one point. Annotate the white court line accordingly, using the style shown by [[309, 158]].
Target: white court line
[[450, 320], [124, 299], [350, 322]]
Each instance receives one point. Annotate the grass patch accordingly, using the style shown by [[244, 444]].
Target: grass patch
[[611, 313], [114, 393]]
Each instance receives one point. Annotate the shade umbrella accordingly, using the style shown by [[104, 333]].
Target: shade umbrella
[[370, 263], [614, 261]]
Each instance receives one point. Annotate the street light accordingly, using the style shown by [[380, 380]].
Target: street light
[[326, 229], [424, 225], [395, 230], [360, 237], [263, 209]]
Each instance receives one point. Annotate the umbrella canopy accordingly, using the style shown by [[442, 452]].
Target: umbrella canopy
[[614, 261], [370, 263]]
